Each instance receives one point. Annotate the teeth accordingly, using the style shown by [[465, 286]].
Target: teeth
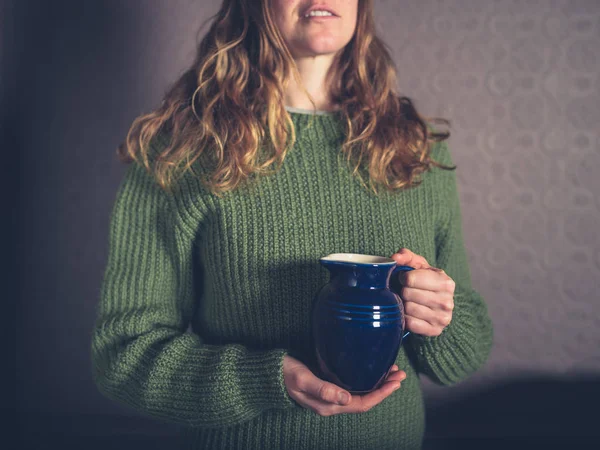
[[318, 13]]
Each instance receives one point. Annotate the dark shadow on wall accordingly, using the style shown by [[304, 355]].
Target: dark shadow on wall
[[553, 412], [529, 413], [70, 65]]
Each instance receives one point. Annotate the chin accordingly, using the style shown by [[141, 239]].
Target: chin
[[321, 48]]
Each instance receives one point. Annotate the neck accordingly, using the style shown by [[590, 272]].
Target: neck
[[313, 73]]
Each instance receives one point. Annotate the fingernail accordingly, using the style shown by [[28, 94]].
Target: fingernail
[[343, 398], [397, 386]]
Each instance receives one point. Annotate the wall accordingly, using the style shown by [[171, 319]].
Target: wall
[[519, 80]]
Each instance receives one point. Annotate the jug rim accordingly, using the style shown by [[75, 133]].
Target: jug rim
[[358, 259]]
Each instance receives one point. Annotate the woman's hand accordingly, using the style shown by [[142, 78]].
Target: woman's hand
[[327, 399], [428, 295]]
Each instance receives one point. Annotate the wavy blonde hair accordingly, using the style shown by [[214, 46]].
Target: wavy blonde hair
[[238, 78]]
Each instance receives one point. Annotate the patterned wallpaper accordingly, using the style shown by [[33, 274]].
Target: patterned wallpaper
[[520, 82]]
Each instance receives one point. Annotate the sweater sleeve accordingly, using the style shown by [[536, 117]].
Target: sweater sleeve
[[464, 346], [142, 353]]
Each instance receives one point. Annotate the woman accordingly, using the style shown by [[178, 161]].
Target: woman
[[236, 191]]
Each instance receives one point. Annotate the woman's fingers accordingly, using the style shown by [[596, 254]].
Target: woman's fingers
[[324, 391], [320, 407], [438, 302], [326, 398], [430, 279], [299, 379], [359, 403], [398, 375], [433, 317], [363, 403], [419, 296], [422, 327], [405, 257]]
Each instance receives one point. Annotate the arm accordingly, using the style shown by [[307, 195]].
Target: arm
[[464, 345], [142, 354]]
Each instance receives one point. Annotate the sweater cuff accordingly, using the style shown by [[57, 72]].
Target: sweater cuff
[[262, 374], [458, 351], [447, 348]]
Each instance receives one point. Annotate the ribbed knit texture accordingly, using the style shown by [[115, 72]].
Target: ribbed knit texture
[[243, 271]]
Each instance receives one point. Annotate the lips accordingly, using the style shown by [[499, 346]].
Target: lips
[[318, 8]]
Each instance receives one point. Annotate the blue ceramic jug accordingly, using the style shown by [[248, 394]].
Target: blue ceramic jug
[[358, 322]]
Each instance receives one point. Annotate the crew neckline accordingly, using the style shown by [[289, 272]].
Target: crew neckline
[[309, 111]]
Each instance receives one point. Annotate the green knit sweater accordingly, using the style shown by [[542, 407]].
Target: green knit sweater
[[203, 296]]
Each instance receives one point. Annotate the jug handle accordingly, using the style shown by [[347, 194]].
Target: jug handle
[[400, 268]]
